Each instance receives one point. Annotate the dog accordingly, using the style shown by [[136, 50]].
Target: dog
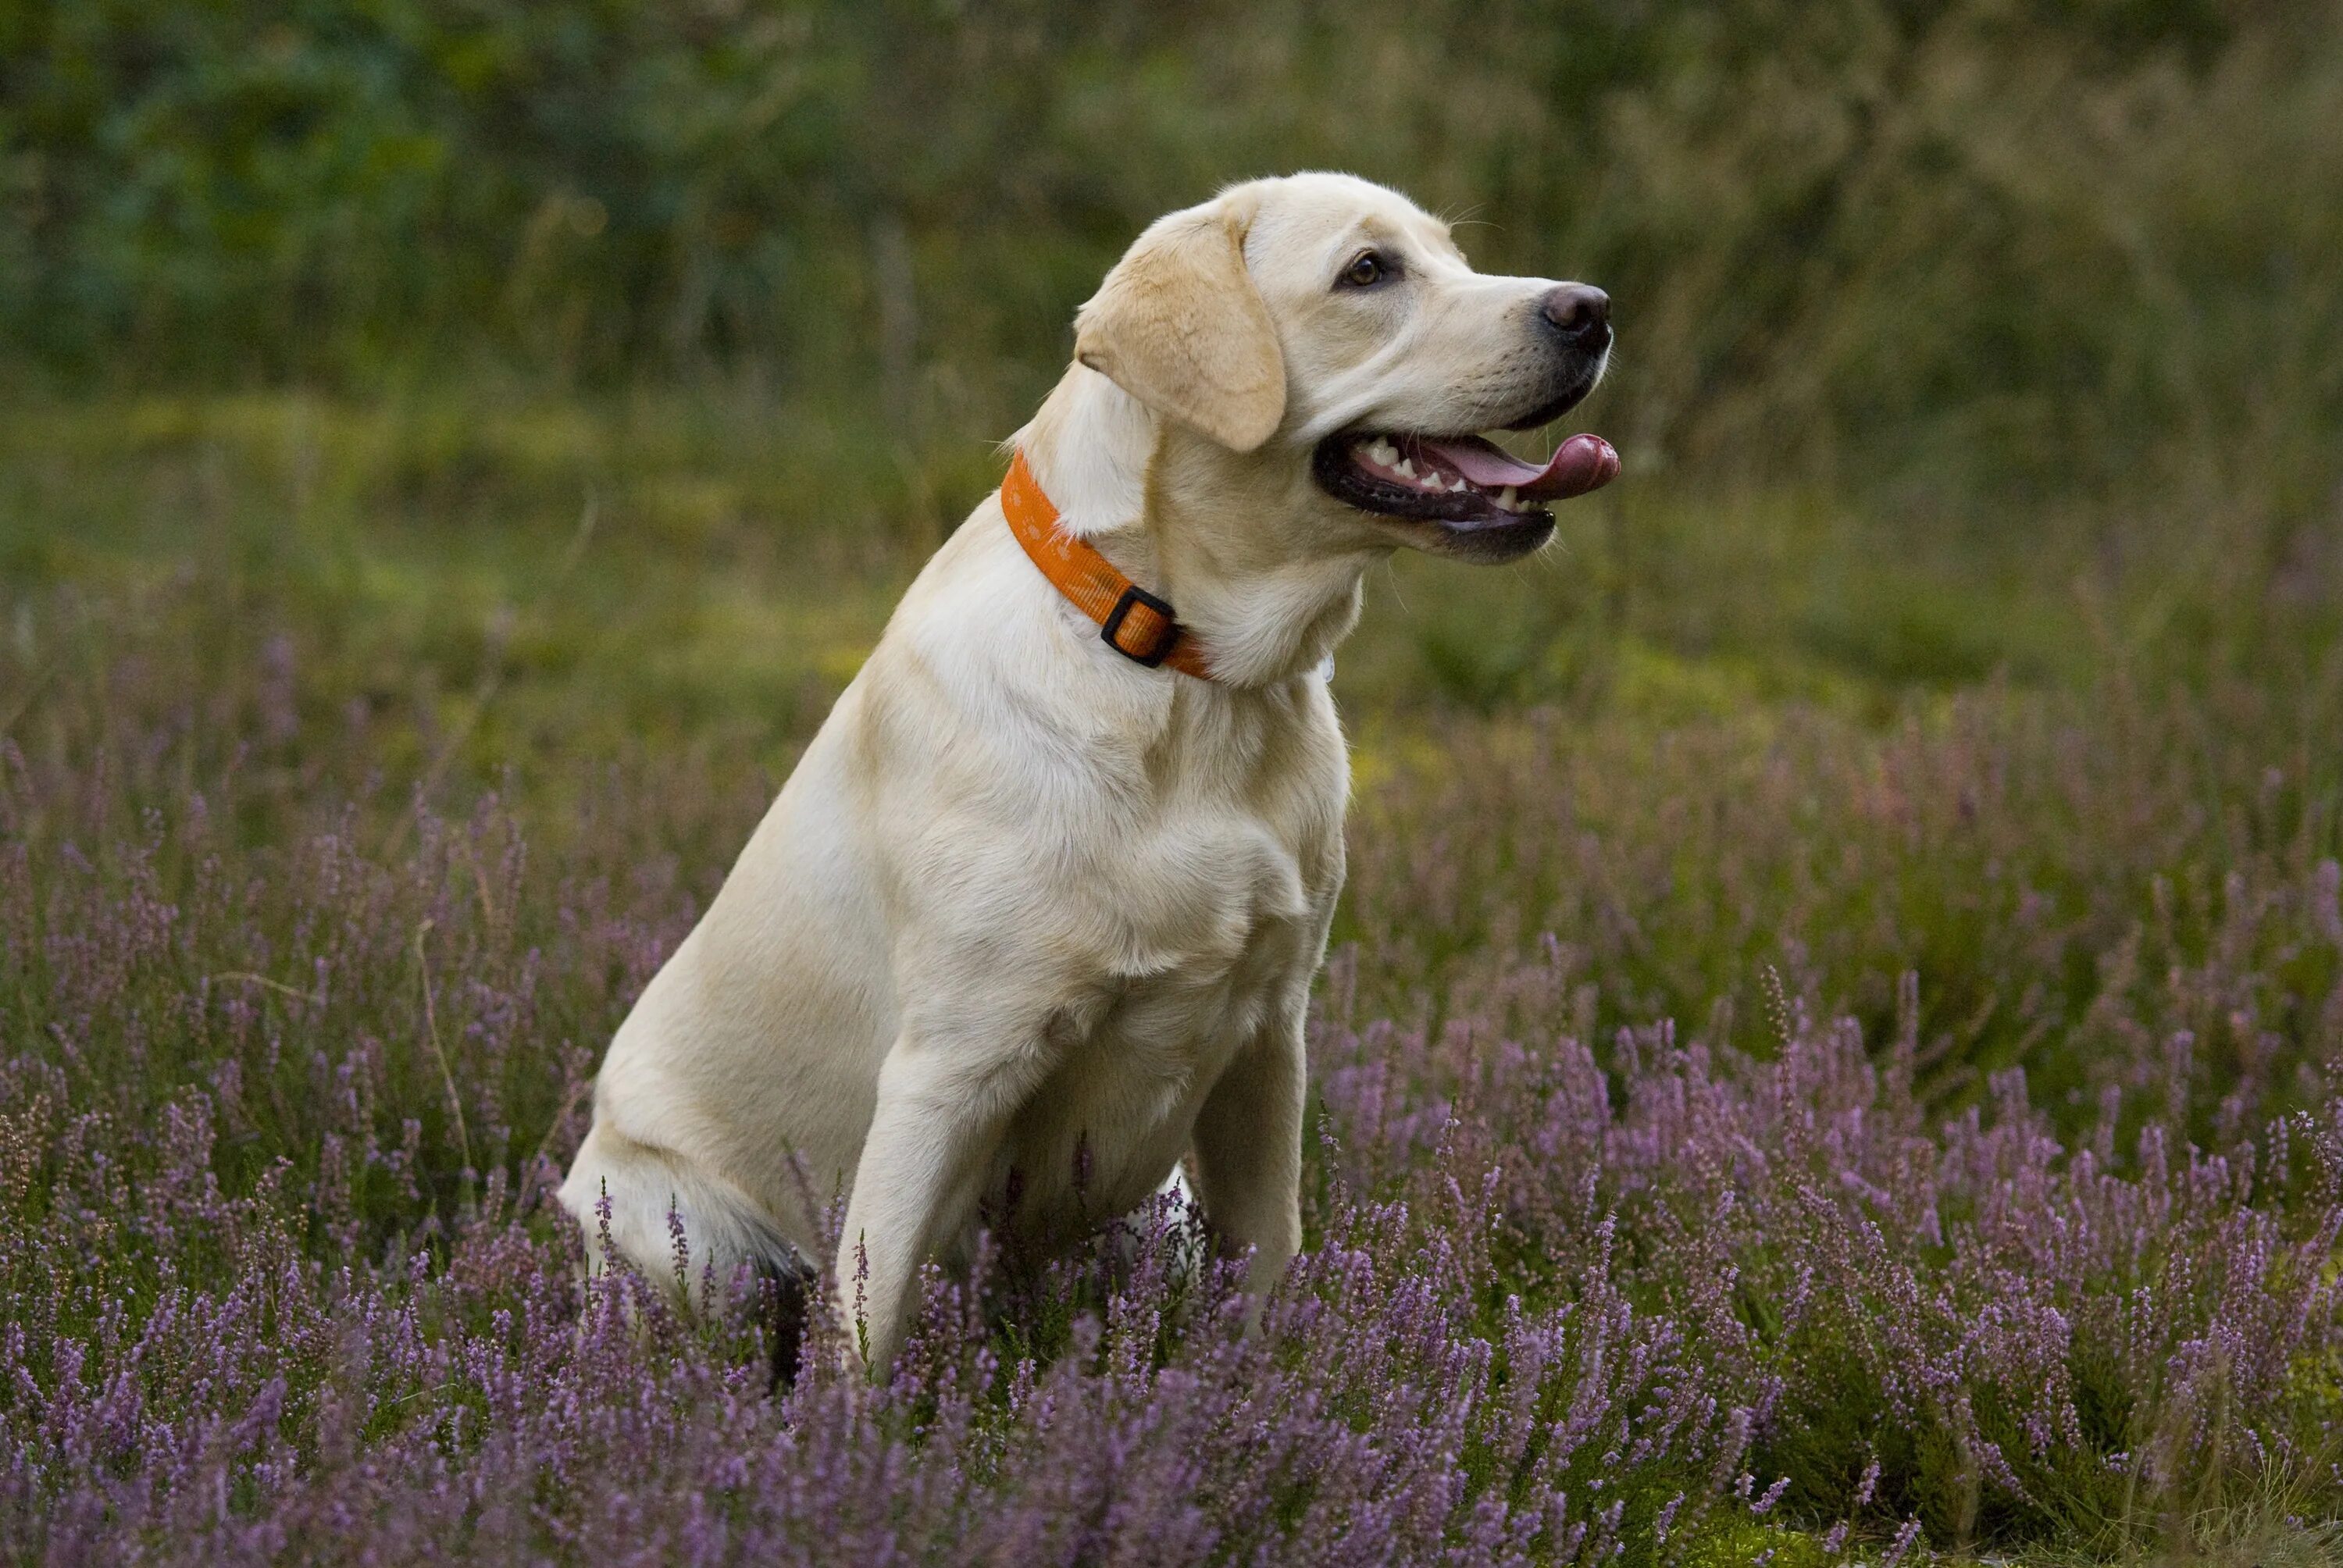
[[1033, 924]]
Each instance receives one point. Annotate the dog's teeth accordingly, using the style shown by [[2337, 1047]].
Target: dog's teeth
[[1459, 484], [1383, 452], [1404, 468], [1505, 500]]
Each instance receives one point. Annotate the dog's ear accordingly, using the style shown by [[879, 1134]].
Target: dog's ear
[[1179, 325]]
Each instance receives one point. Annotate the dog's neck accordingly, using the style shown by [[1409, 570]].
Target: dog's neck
[[1231, 540]]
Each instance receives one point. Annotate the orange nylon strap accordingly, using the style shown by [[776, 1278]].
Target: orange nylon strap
[[1131, 621]]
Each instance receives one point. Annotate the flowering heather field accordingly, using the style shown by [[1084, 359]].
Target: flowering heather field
[[1768, 1136]]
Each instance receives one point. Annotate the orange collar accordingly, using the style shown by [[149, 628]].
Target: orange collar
[[1130, 620]]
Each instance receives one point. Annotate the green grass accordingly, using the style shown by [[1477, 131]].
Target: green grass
[[692, 565]]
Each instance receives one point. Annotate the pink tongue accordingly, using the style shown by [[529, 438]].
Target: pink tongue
[[1581, 464]]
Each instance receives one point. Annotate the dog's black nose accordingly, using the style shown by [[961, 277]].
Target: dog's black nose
[[1581, 313]]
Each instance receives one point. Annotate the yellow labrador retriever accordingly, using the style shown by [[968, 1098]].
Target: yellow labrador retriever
[[1036, 917]]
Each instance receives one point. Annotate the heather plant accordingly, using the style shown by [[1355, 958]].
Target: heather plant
[[1983, 1193]]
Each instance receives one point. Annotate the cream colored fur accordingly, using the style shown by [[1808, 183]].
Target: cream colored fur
[[1026, 905]]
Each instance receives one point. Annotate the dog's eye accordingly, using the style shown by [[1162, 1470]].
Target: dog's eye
[[1367, 268]]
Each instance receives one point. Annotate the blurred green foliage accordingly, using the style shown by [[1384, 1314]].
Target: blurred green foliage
[[1967, 248], [1985, 338]]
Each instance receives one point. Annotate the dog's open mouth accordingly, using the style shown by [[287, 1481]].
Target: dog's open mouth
[[1481, 501]]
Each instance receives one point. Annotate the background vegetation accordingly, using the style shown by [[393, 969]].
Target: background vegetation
[[1919, 302], [454, 451]]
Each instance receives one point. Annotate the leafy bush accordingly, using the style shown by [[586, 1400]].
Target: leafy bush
[[1956, 250]]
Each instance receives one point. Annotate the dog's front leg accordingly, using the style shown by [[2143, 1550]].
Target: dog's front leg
[[1249, 1152], [944, 1101]]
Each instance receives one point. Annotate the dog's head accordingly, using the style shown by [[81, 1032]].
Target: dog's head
[[1323, 320]]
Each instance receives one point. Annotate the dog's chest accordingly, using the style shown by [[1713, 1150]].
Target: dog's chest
[[1218, 918], [1211, 927]]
